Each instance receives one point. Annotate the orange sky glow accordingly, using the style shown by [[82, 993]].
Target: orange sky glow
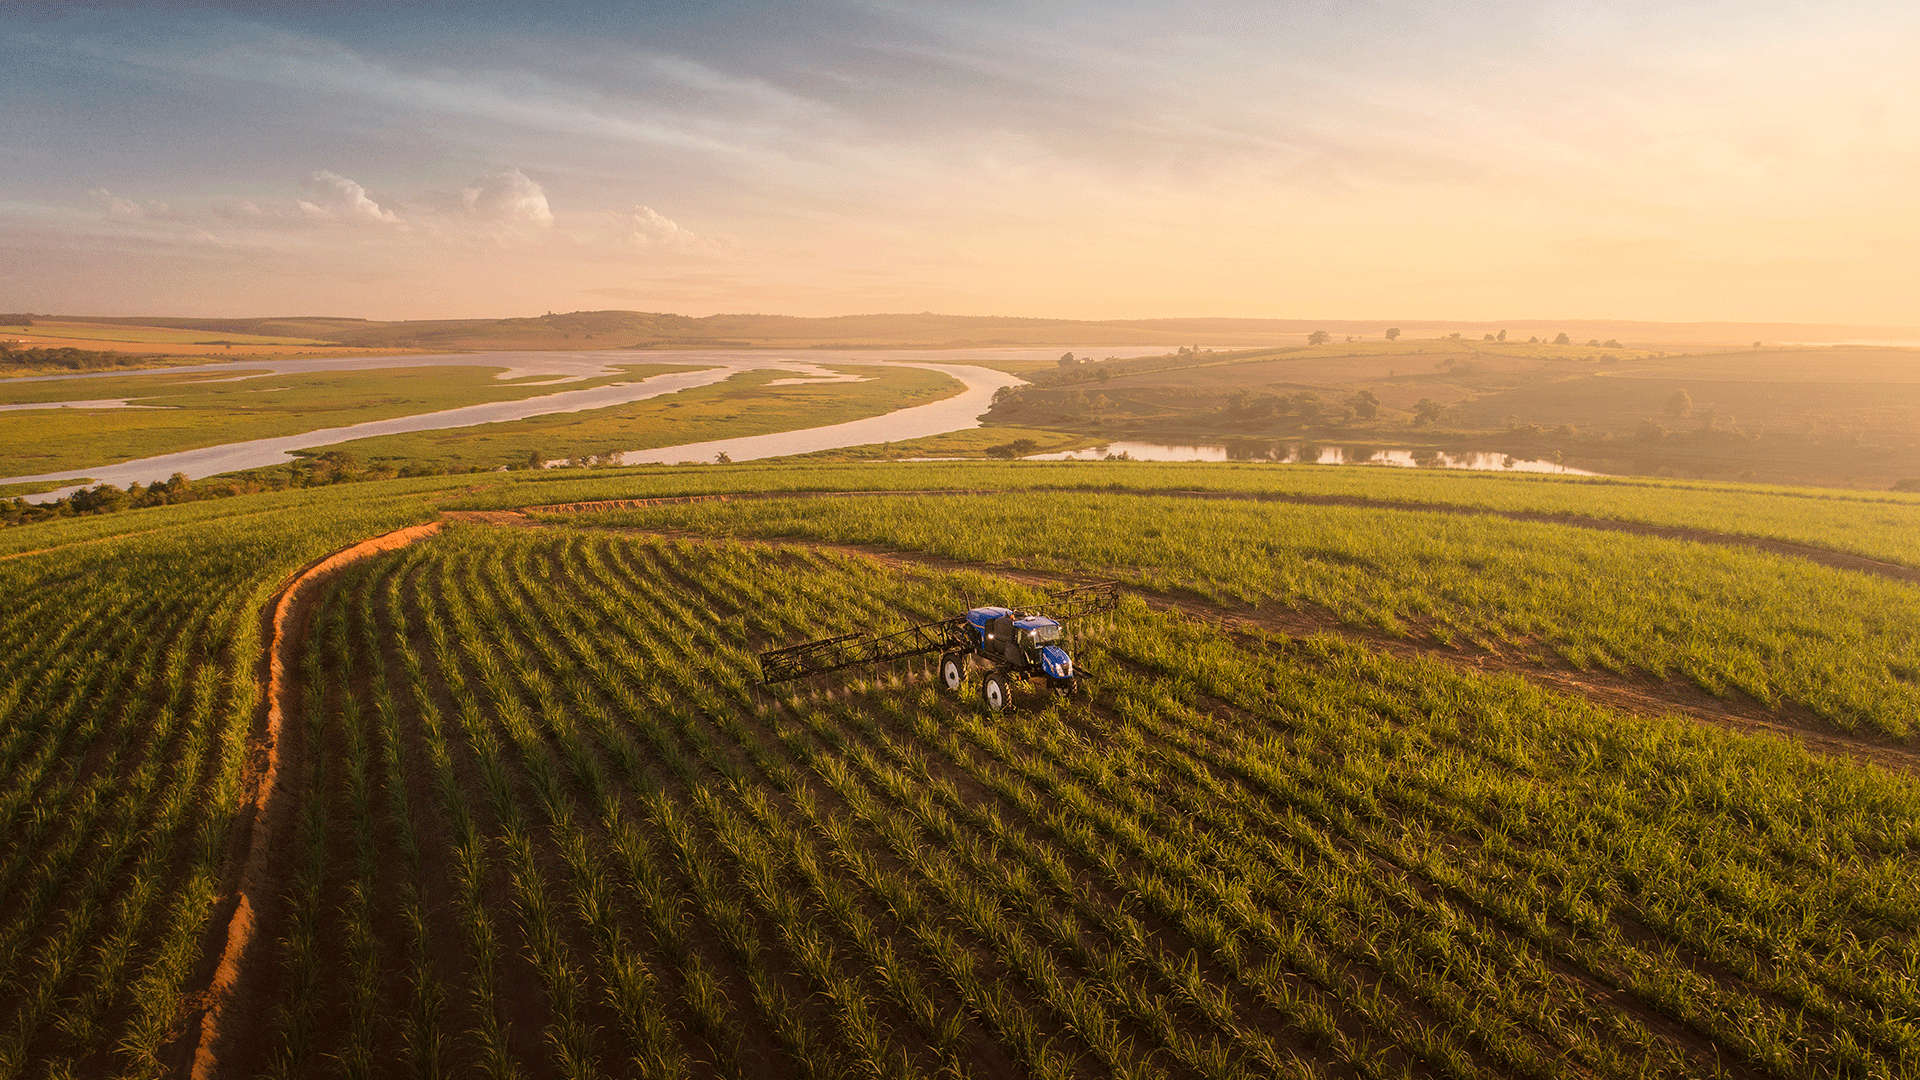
[[1689, 161]]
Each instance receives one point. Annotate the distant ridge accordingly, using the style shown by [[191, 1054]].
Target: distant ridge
[[926, 330]]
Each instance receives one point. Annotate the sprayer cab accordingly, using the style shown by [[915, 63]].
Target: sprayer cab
[[1022, 643]]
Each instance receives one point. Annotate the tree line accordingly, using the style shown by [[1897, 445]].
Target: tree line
[[333, 467], [67, 358]]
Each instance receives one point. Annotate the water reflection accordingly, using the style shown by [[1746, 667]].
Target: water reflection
[[94, 403], [1312, 453], [950, 414]]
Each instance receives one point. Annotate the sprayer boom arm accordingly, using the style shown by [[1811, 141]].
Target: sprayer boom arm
[[852, 650]]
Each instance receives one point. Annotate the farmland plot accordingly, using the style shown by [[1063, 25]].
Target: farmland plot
[[550, 827]]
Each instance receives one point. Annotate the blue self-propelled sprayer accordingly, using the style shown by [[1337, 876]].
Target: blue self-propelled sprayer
[[1012, 644]]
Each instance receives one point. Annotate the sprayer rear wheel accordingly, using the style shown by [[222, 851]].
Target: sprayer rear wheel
[[953, 671]]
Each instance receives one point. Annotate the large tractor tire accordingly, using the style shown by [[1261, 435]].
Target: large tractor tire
[[953, 670], [996, 691]]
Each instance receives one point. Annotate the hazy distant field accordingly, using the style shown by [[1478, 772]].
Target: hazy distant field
[[1842, 416], [143, 335]]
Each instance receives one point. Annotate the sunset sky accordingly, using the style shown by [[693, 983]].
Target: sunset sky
[[1674, 160]]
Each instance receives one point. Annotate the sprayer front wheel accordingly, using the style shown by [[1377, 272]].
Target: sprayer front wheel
[[995, 691]]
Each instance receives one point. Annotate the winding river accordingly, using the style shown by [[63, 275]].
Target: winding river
[[951, 414]]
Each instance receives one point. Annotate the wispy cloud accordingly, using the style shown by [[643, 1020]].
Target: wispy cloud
[[669, 101], [125, 209]]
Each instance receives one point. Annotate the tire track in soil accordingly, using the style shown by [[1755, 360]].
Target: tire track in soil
[[1639, 695], [227, 1009], [1644, 696], [1840, 560]]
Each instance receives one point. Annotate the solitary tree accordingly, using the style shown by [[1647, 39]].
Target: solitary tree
[[1365, 405], [1426, 411], [1319, 337], [1680, 404], [1067, 360], [1502, 337], [1563, 340], [1016, 449], [722, 458], [339, 464], [1393, 333]]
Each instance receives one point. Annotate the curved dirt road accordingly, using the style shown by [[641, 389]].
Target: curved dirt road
[[258, 886]]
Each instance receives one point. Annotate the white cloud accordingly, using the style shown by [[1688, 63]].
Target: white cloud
[[132, 210], [509, 196], [344, 200], [645, 225]]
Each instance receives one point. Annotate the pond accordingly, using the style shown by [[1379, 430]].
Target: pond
[[1313, 453]]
